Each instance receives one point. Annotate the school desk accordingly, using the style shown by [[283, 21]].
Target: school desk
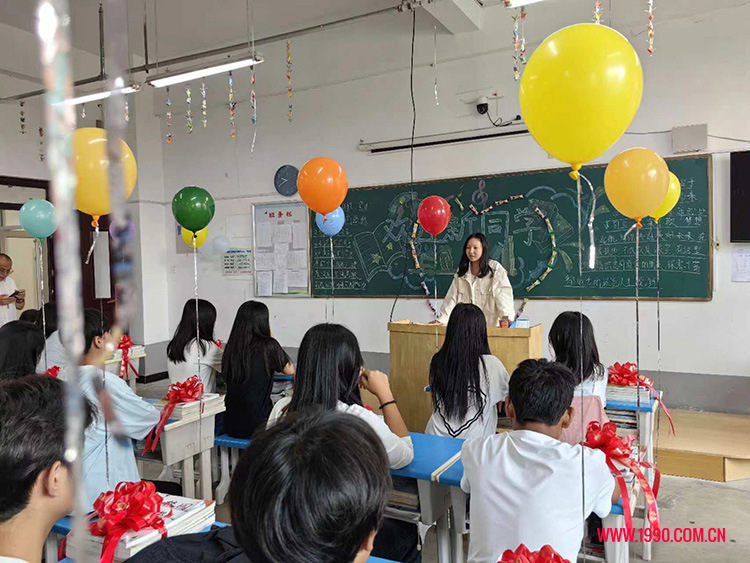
[[369, 560], [432, 455], [130, 377]]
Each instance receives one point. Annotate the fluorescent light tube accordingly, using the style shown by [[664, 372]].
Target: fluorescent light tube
[[99, 95], [176, 78], [519, 3]]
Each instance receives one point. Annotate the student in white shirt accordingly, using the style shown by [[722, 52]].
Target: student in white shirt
[[9, 303], [466, 381], [572, 340], [480, 281], [526, 485], [21, 346], [37, 486], [182, 351], [105, 467]]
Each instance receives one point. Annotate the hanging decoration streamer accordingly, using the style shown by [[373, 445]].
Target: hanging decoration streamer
[[127, 111], [434, 66], [418, 267], [189, 110], [41, 144], [40, 298], [289, 76], [650, 11], [516, 46], [83, 111], [598, 12], [553, 254], [592, 240], [522, 56], [22, 116], [494, 205], [232, 105], [169, 118], [204, 106], [94, 224], [522, 307], [430, 303]]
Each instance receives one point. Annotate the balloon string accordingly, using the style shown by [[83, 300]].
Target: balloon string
[[40, 268], [580, 341], [658, 333], [434, 256], [638, 333], [592, 241], [198, 344], [104, 387], [93, 244], [333, 299]]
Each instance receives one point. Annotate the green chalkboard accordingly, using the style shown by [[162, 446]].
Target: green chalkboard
[[372, 252]]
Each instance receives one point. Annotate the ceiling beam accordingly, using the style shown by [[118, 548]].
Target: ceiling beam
[[457, 16]]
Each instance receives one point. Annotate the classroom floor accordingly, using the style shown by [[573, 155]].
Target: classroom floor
[[683, 503]]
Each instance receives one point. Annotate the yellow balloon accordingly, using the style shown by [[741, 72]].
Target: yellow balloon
[[636, 182], [673, 196], [200, 237], [580, 91], [92, 169]]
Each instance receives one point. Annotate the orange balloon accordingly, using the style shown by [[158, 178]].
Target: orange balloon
[[636, 182], [322, 184]]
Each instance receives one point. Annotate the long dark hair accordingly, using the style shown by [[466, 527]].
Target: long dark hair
[[484, 261], [328, 368], [21, 346], [186, 332], [456, 369], [251, 334], [50, 318], [580, 355]]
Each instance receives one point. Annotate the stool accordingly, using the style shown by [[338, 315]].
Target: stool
[[225, 443]]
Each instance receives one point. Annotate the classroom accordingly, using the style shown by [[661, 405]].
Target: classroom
[[388, 280]]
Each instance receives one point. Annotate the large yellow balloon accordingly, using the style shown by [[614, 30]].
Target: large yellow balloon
[[200, 237], [673, 196], [92, 168], [580, 91], [636, 182]]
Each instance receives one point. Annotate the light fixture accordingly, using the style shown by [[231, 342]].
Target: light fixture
[[519, 3], [103, 95], [485, 134], [185, 76]]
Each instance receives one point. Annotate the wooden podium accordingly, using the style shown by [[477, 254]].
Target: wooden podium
[[412, 346]]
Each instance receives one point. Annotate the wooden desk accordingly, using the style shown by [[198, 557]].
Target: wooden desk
[[413, 345]]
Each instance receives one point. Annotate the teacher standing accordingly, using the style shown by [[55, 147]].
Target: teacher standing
[[480, 281]]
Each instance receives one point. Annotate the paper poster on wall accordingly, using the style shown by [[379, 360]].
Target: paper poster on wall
[[238, 262], [741, 264], [281, 249]]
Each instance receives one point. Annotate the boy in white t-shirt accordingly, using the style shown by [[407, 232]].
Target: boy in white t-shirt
[[525, 485]]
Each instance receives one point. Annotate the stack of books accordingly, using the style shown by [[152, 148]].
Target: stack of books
[[188, 516], [135, 350], [209, 405], [628, 394]]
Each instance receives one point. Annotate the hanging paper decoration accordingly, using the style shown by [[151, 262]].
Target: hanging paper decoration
[[204, 107], [592, 240], [650, 11], [232, 105], [127, 111], [41, 144], [523, 36], [22, 117], [494, 205], [289, 76], [598, 13], [516, 46], [434, 66], [189, 110], [553, 255], [83, 111], [169, 118], [430, 303]]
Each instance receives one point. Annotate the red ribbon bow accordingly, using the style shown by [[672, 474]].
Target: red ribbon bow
[[626, 375], [185, 392], [605, 438], [523, 555], [125, 345], [54, 371], [131, 506], [219, 343]]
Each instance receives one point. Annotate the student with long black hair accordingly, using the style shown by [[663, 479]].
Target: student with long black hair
[[480, 281], [21, 346], [55, 354], [467, 382], [182, 351], [251, 358]]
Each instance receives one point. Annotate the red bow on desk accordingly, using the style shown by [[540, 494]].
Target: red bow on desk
[[605, 438], [54, 371], [125, 345], [131, 506], [626, 375], [523, 555], [188, 391]]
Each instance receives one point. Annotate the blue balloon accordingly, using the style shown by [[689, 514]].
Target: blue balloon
[[38, 218], [334, 223]]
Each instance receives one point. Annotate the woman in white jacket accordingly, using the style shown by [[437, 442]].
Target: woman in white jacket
[[482, 282]]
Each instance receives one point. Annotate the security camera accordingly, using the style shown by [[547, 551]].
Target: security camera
[[483, 105]]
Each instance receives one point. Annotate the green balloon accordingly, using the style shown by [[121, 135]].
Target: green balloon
[[193, 207]]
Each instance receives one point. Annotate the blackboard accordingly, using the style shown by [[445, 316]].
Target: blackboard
[[372, 252]]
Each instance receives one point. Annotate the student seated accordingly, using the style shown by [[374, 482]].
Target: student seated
[[37, 486], [313, 488], [526, 484], [251, 358], [575, 346], [182, 350], [466, 381], [135, 417], [54, 354], [21, 346], [29, 316]]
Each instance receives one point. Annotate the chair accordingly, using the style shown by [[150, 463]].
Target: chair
[[225, 443]]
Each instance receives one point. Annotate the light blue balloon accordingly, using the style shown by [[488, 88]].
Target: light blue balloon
[[333, 225], [38, 218]]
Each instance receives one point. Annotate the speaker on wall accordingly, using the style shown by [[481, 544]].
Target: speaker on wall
[[739, 197]]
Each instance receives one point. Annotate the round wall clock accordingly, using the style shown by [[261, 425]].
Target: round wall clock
[[285, 180]]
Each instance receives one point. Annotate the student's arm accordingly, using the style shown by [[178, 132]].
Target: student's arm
[[376, 382], [617, 492], [288, 369], [449, 302], [280, 362], [599, 483], [136, 416]]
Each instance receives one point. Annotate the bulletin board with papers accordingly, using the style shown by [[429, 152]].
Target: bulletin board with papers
[[281, 248]]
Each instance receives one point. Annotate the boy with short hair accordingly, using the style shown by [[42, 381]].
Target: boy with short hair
[[526, 484], [36, 486]]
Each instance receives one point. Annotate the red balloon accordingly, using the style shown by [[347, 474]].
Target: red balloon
[[434, 214], [322, 185]]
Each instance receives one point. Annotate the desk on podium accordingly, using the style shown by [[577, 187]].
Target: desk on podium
[[412, 346]]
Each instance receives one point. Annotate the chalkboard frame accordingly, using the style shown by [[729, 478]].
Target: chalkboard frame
[[707, 156]]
